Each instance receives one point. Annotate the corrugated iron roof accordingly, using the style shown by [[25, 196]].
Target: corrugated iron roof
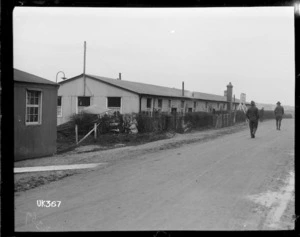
[[148, 89], [205, 96], [22, 76], [142, 88]]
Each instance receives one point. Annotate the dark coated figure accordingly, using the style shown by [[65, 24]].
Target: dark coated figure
[[253, 116], [279, 112]]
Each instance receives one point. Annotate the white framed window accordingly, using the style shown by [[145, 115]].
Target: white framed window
[[59, 106], [33, 107]]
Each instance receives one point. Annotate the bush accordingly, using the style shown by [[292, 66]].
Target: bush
[[287, 116], [199, 119], [174, 122], [269, 114], [240, 116], [146, 123], [84, 121]]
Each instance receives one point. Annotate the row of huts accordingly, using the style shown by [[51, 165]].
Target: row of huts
[[40, 105]]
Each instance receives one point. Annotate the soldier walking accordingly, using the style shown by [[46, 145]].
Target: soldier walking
[[279, 112], [253, 116]]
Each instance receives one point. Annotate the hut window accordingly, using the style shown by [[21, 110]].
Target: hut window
[[114, 102], [149, 100], [159, 103], [169, 103], [59, 109], [182, 103], [33, 107], [83, 101]]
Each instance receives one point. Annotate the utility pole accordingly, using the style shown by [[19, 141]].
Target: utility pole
[[84, 80]]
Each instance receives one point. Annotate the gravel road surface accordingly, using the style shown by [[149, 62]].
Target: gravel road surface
[[231, 182]]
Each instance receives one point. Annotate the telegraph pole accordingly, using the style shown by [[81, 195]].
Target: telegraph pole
[[84, 59]]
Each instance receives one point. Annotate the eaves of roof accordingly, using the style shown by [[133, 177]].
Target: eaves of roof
[[70, 79], [111, 84], [28, 78], [96, 79]]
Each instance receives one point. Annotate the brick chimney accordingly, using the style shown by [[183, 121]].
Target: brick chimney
[[229, 96], [183, 88], [120, 78]]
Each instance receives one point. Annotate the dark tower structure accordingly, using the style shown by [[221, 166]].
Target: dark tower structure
[[229, 96]]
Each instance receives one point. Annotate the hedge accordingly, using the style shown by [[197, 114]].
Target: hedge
[[269, 114], [159, 122]]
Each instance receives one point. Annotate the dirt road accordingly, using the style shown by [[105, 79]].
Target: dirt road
[[232, 182]]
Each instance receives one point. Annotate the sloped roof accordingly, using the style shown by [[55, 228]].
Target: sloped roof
[[142, 88], [148, 89], [213, 97], [22, 76]]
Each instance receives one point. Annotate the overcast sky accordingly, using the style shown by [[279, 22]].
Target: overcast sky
[[253, 48]]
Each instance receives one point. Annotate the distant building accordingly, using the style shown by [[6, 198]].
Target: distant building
[[132, 97], [35, 105]]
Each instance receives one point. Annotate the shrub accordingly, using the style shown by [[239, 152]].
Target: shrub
[[269, 114], [287, 116], [199, 119], [240, 116], [84, 121]]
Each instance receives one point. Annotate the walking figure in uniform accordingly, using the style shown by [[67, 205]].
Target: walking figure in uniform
[[253, 116], [279, 112]]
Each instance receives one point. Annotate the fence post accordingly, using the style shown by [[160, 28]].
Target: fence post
[[234, 117], [76, 133], [227, 120], [175, 119], [95, 130]]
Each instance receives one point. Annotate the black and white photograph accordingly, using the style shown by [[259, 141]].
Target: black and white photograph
[[147, 119]]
